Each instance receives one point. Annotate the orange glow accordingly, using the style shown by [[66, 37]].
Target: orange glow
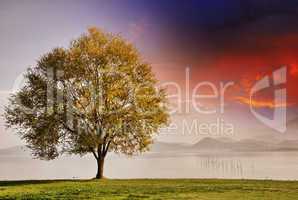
[[294, 70], [260, 103]]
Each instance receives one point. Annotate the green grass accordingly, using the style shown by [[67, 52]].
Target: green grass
[[150, 189]]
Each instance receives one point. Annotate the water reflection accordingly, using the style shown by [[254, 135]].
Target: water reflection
[[227, 167]]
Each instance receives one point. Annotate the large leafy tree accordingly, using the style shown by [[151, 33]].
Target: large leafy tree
[[94, 97]]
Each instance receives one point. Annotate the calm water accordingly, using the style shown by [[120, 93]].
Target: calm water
[[269, 165]]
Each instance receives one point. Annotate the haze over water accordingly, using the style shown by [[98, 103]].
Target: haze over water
[[268, 165]]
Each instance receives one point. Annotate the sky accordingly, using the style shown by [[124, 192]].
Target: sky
[[186, 42]]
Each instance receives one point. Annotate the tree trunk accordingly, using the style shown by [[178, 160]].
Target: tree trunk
[[100, 167]]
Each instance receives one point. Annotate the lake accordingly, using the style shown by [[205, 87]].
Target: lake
[[253, 165]]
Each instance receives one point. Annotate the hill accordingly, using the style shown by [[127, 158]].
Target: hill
[[15, 151]]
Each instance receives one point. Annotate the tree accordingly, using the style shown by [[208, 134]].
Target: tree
[[94, 97]]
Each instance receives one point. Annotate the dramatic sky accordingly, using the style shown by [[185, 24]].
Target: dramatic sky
[[218, 41]]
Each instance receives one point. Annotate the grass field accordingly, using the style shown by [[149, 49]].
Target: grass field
[[150, 189]]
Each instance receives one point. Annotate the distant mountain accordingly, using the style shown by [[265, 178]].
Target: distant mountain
[[204, 145], [226, 145], [158, 146], [212, 144], [245, 145], [15, 151], [293, 124], [288, 145]]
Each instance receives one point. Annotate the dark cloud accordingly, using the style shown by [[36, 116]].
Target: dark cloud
[[208, 28]]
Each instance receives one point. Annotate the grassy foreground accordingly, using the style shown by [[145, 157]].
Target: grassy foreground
[[150, 189]]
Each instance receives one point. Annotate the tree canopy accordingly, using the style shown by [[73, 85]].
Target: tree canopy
[[95, 96]]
